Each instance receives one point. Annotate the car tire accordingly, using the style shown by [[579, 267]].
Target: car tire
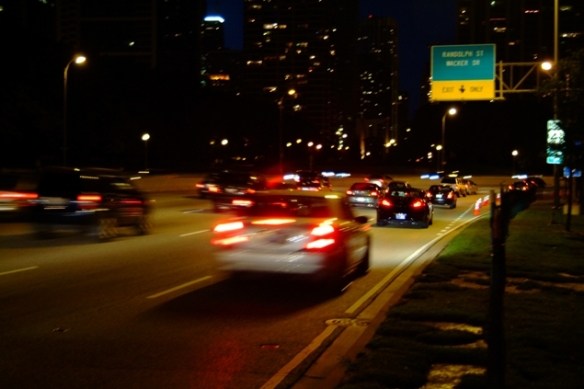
[[144, 226], [106, 229], [452, 206], [431, 219], [426, 221]]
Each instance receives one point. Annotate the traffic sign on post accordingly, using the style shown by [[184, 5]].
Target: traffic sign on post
[[463, 72]]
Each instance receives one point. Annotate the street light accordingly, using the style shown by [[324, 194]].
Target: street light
[[145, 138], [451, 111], [514, 153], [290, 92], [78, 59]]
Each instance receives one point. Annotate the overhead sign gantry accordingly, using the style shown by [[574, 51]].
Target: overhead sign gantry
[[463, 72]]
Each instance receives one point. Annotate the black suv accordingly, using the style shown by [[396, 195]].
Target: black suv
[[94, 201], [230, 189]]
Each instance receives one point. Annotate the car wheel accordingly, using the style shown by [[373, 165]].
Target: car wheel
[[426, 221], [431, 218], [144, 226], [106, 229], [453, 205]]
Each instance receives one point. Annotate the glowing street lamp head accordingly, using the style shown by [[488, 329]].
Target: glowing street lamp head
[[80, 59], [547, 65], [291, 92], [515, 153], [452, 111], [145, 137]]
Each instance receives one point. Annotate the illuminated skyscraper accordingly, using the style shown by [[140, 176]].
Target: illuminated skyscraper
[[308, 46]]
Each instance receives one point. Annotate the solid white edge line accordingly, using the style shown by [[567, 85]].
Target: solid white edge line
[[301, 356], [283, 372], [178, 287], [193, 233], [399, 267], [19, 270]]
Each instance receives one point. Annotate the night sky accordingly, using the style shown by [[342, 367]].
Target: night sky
[[422, 23]]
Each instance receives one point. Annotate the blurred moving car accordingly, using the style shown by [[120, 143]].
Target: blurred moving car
[[456, 183], [471, 187], [536, 181], [311, 181], [16, 192], [296, 233], [442, 195], [230, 185], [364, 194], [405, 207], [203, 187], [95, 201], [523, 186]]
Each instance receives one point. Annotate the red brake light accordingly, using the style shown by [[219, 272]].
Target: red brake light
[[131, 201], [374, 193], [89, 198], [200, 185], [230, 241], [324, 234], [273, 222], [214, 189], [350, 192], [23, 196], [417, 204], [429, 195], [250, 190], [226, 227], [450, 195], [385, 203]]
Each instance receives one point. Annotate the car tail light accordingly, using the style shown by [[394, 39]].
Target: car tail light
[[373, 193], [417, 204], [429, 195], [273, 222], [450, 195], [227, 227], [214, 189], [90, 198], [19, 196], [230, 240], [251, 191], [133, 201], [350, 192], [200, 186], [323, 236], [385, 203]]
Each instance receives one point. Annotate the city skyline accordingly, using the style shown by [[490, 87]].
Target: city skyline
[[421, 24]]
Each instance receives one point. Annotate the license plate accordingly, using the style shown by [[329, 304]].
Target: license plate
[[361, 199], [438, 196], [400, 216]]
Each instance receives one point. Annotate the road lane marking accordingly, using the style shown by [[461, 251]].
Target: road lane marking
[[193, 233], [399, 268], [179, 287], [298, 359], [19, 270]]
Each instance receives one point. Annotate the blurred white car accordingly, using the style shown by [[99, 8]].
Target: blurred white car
[[296, 232]]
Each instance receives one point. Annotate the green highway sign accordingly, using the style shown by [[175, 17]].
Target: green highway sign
[[463, 72], [463, 62]]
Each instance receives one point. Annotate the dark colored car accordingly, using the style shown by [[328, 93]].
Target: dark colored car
[[537, 181], [230, 188], [523, 186], [298, 233], [205, 186], [364, 194], [442, 195], [311, 181], [405, 207], [95, 201], [17, 192]]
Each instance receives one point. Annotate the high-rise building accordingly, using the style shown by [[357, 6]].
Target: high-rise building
[[151, 34], [378, 120], [308, 47], [523, 30]]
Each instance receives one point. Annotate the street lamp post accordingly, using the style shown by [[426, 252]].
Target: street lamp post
[[78, 59], [451, 111], [290, 92], [438, 149], [145, 138]]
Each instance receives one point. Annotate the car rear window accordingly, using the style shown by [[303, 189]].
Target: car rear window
[[294, 206], [364, 186]]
